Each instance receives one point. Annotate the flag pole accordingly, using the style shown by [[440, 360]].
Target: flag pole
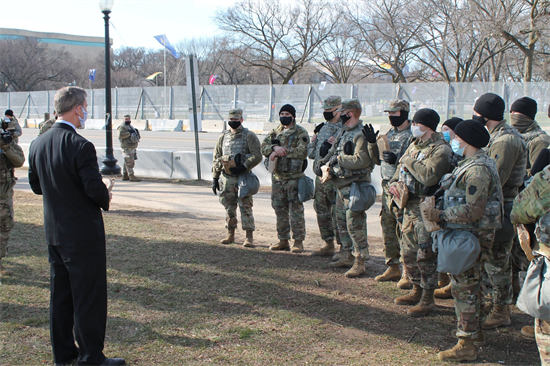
[[164, 106]]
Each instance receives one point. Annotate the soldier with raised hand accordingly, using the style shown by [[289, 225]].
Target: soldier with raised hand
[[237, 152], [48, 123], [398, 140], [509, 151], [288, 144], [472, 202], [129, 139], [420, 169], [14, 127], [324, 199], [349, 161]]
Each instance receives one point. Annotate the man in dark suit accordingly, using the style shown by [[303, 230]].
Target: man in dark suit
[[63, 168]]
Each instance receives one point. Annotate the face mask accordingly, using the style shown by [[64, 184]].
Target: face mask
[[417, 132], [345, 118], [520, 122], [127, 122], [328, 115], [480, 119], [83, 119], [455, 145], [234, 124], [285, 121], [447, 136], [397, 121]]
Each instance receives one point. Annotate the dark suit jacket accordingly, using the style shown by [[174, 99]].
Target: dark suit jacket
[[63, 168]]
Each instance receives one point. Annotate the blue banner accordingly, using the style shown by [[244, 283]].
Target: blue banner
[[164, 41], [91, 75]]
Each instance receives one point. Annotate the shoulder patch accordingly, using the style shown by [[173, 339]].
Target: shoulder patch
[[472, 190]]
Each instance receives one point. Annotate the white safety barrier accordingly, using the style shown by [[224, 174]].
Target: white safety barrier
[[95, 124], [166, 125]]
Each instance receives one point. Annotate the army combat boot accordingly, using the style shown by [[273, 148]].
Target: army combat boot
[[464, 350], [281, 245], [230, 236], [498, 317], [479, 341], [444, 293], [125, 176], [358, 267], [426, 304], [404, 283], [528, 331], [326, 250], [297, 246], [412, 298], [249, 241], [444, 280], [133, 178], [337, 256], [393, 273], [346, 261]]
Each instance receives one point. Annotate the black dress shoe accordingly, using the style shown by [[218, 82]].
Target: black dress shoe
[[113, 361]]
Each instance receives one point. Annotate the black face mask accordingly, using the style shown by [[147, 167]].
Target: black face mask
[[127, 122], [397, 121], [234, 124], [345, 118], [480, 119], [328, 115], [285, 121]]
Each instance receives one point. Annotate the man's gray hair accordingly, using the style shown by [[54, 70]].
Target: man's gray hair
[[69, 97]]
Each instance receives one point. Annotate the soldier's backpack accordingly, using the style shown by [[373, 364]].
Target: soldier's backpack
[[457, 250]]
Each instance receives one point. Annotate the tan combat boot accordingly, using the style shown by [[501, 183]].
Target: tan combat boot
[[297, 246], [125, 176], [464, 350], [444, 293], [249, 241], [479, 341], [281, 245], [528, 331], [346, 261], [426, 304], [499, 316], [404, 283], [358, 267], [412, 298], [3, 270], [230, 236], [326, 250], [444, 280], [337, 256], [133, 178], [393, 273]]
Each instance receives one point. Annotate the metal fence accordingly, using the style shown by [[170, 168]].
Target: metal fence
[[262, 102]]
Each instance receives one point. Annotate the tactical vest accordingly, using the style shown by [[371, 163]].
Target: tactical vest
[[341, 139], [235, 143], [132, 140], [399, 142], [533, 134], [284, 164], [6, 168], [328, 130], [494, 209]]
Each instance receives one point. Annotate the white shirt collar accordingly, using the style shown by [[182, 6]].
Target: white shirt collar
[[66, 123]]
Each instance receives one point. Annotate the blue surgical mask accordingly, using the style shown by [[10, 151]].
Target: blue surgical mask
[[83, 119], [455, 145], [447, 136]]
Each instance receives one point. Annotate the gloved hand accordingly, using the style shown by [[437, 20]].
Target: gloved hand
[[432, 214], [239, 169], [318, 127], [317, 170], [325, 147], [348, 148], [333, 161], [238, 159], [276, 142], [215, 185], [369, 133], [389, 157]]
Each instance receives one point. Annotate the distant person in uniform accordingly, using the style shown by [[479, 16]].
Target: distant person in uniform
[[129, 139], [48, 122], [14, 126]]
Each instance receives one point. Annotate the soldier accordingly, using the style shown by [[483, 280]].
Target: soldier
[[349, 161], [508, 149], [129, 139], [14, 126], [398, 139], [288, 144], [472, 202], [324, 136], [532, 205], [48, 123], [11, 156], [237, 152], [420, 169]]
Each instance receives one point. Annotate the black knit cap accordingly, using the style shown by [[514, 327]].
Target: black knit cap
[[427, 117], [490, 106], [288, 108], [525, 106], [473, 133], [451, 123], [8, 112]]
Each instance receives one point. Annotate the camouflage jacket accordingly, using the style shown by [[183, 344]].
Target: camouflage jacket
[[536, 140], [327, 131], [399, 143], [46, 125], [507, 148], [128, 136], [15, 128], [11, 156], [533, 203], [296, 141], [251, 149]]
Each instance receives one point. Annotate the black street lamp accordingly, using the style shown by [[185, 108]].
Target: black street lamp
[[109, 166]]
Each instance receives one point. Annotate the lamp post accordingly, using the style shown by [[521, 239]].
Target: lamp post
[[109, 166]]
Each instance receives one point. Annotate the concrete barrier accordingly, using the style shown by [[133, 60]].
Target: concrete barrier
[[166, 125], [184, 165], [215, 126], [32, 122], [150, 163], [257, 127], [96, 124], [141, 124]]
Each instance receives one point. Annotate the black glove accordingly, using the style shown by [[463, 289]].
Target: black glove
[[215, 185], [238, 169], [369, 133], [333, 161], [389, 157], [318, 127], [238, 159], [317, 170], [276, 142], [348, 148], [325, 147]]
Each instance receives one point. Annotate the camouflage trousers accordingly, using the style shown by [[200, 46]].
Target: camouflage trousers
[[390, 217], [542, 335], [417, 255], [324, 202], [289, 211], [6, 214], [229, 199], [352, 225], [129, 162]]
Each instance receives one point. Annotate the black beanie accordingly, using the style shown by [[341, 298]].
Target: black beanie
[[473, 133], [451, 123], [288, 108], [525, 106], [490, 106], [427, 117], [8, 112]]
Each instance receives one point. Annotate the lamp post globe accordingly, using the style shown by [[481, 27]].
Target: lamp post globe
[[109, 166]]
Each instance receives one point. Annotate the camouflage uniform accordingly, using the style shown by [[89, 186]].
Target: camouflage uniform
[[230, 143], [325, 193], [46, 125], [129, 139], [15, 128], [536, 140], [284, 194], [421, 168]]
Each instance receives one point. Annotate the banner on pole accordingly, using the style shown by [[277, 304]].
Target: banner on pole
[[91, 75], [164, 41], [152, 76]]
